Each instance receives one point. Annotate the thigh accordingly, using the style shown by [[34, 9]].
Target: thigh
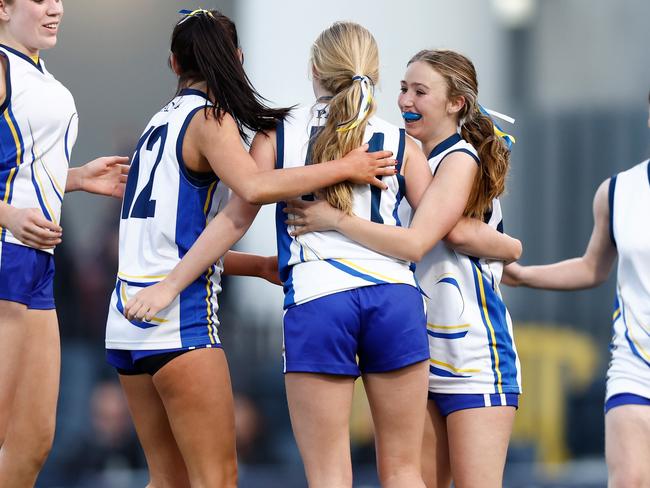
[[398, 402], [13, 340], [478, 444], [435, 449], [164, 459], [319, 406], [627, 445], [196, 392]]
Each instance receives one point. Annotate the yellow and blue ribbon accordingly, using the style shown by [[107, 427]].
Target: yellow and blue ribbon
[[365, 103], [508, 139], [191, 13]]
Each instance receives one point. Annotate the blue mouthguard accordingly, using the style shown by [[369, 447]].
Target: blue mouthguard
[[410, 116]]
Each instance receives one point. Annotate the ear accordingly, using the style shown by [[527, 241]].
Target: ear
[[314, 73], [240, 55], [4, 15], [455, 105], [173, 63]]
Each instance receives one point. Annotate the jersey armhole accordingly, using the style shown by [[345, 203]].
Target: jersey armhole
[[610, 198], [5, 103], [194, 177], [463, 150], [279, 145]]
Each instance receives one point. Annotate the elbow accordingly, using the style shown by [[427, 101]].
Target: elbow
[[517, 249], [415, 252], [254, 195], [455, 238]]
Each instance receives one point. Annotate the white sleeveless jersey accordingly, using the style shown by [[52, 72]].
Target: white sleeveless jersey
[[165, 209], [470, 331], [38, 128], [629, 200], [320, 263]]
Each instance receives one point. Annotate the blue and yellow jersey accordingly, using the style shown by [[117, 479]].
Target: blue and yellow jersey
[[629, 201], [38, 127], [320, 263], [470, 330], [165, 209]]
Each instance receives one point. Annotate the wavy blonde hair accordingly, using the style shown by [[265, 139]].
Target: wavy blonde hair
[[339, 53], [476, 128]]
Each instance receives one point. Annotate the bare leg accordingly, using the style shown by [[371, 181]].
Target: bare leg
[[320, 416], [165, 462], [627, 446], [30, 363], [435, 450], [196, 392], [478, 444], [398, 402]]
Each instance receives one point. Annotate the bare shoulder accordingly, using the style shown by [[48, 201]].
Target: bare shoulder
[[601, 199], [3, 70]]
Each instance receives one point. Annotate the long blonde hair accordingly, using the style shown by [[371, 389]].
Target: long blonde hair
[[476, 128], [344, 57]]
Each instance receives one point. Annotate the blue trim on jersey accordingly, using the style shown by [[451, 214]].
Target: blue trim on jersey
[[444, 145], [463, 150], [7, 100], [193, 91], [282, 233], [444, 373], [56, 191], [441, 335], [194, 180], [10, 160], [36, 65], [120, 308], [401, 181], [354, 272], [449, 403], [65, 140], [505, 373], [648, 172], [610, 199], [376, 143], [32, 168]]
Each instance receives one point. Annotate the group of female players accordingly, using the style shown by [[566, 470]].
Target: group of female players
[[434, 346]]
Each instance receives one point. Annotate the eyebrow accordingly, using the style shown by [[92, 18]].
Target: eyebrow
[[415, 84]]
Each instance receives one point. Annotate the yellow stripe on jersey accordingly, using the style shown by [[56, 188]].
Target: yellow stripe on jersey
[[124, 276], [44, 194], [490, 327], [54, 182], [448, 327], [616, 313], [367, 271], [453, 368], [12, 172], [125, 299], [14, 133]]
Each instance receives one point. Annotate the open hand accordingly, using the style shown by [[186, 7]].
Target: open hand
[[105, 176], [30, 227], [366, 167], [311, 216]]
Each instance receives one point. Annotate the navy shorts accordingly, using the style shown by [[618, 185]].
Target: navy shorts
[[132, 362], [452, 402], [384, 326], [625, 399], [26, 276]]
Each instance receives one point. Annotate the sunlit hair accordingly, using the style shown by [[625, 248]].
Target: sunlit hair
[[205, 47], [339, 53], [476, 128]]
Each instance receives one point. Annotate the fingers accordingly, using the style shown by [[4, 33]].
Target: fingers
[[38, 219], [115, 160], [294, 211], [378, 183], [381, 154]]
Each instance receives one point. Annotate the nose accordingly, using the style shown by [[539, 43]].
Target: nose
[[405, 101], [55, 8]]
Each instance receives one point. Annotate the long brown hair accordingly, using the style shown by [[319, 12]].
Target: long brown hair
[[205, 47], [476, 128], [340, 53]]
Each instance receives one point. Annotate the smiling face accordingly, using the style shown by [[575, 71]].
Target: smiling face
[[428, 113], [30, 25]]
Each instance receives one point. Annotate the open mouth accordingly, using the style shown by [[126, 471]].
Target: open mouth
[[52, 26], [411, 116]]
